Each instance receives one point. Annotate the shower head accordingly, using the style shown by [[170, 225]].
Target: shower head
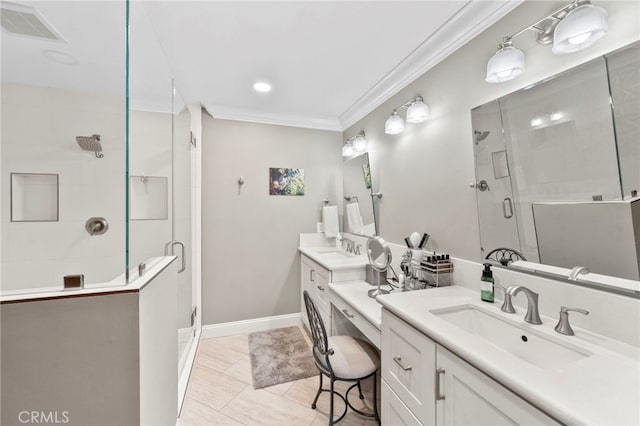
[[90, 143], [480, 136]]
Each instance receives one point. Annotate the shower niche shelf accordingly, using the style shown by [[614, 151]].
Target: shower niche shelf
[[148, 197], [34, 197]]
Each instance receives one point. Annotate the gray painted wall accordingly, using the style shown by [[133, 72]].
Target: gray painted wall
[[251, 268], [104, 359], [425, 172], [76, 358]]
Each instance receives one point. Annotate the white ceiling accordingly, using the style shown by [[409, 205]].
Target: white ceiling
[[329, 63]]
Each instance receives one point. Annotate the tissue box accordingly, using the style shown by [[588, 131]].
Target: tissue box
[[374, 277]]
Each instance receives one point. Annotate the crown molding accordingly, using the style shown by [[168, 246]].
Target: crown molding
[[475, 17], [253, 116]]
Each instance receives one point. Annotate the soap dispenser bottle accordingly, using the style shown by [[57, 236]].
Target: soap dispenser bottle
[[486, 284]]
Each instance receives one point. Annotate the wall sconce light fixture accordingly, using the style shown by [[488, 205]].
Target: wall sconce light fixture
[[571, 28], [417, 112], [355, 145]]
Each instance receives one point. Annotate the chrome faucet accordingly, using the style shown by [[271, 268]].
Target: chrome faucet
[[350, 245], [532, 316], [563, 326], [578, 270]]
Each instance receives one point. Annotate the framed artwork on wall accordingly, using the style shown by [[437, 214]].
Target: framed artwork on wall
[[286, 181]]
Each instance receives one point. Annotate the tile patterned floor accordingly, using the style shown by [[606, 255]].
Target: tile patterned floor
[[220, 393]]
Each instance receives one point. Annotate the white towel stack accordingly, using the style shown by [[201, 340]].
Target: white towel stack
[[354, 220], [330, 220]]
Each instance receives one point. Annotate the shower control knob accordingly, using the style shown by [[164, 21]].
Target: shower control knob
[[482, 185], [96, 226]]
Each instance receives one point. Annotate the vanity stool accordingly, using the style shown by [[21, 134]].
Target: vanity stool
[[342, 358], [505, 256]]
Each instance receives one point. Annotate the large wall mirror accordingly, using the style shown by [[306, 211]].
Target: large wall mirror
[[359, 215], [558, 168]]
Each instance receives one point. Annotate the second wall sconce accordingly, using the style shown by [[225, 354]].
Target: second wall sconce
[[571, 28], [417, 112], [355, 145]]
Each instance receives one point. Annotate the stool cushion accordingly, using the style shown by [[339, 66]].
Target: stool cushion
[[353, 358]]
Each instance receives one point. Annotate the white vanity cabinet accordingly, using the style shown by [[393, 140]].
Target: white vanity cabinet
[[408, 366], [468, 396], [315, 279], [425, 384]]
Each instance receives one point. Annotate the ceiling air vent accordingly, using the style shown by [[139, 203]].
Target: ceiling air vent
[[25, 21]]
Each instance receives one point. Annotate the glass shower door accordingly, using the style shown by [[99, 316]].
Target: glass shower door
[[498, 223], [182, 224]]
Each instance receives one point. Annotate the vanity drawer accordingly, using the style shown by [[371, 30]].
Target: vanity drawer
[[360, 322], [320, 287], [408, 366], [393, 411], [315, 280]]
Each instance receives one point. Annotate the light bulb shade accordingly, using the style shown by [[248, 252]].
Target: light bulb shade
[[506, 64], [581, 28], [347, 150], [360, 144], [418, 112], [394, 124]]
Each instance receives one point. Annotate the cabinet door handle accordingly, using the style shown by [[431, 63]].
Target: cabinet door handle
[[311, 277], [320, 288], [398, 361], [346, 312], [439, 373]]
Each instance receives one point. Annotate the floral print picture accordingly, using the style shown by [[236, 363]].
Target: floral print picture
[[284, 181]]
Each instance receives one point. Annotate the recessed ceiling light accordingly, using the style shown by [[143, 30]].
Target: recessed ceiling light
[[60, 57], [261, 86]]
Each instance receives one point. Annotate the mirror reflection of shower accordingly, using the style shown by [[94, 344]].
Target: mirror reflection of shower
[[479, 136], [90, 143]]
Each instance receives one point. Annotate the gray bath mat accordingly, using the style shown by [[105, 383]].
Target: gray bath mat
[[278, 356]]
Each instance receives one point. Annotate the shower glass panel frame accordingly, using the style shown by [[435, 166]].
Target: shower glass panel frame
[[160, 149]]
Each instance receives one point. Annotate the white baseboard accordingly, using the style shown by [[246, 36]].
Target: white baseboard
[[248, 326]]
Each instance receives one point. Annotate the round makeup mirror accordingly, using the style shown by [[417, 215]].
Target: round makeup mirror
[[380, 258]]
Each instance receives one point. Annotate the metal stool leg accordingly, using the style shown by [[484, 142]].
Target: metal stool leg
[[360, 390], [331, 404], [313, 404], [375, 396]]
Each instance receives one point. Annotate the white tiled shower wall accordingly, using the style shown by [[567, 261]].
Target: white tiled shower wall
[[39, 126]]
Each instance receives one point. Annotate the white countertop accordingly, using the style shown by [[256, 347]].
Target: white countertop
[[355, 294], [324, 255], [118, 285], [603, 388]]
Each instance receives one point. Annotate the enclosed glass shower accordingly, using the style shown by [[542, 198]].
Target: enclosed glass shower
[[96, 151]]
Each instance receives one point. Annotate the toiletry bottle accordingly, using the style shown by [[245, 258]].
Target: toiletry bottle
[[486, 284]]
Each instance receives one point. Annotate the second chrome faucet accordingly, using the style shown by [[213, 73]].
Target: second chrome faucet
[[532, 316]]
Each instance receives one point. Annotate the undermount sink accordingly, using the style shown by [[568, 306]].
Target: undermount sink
[[534, 348], [334, 254]]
